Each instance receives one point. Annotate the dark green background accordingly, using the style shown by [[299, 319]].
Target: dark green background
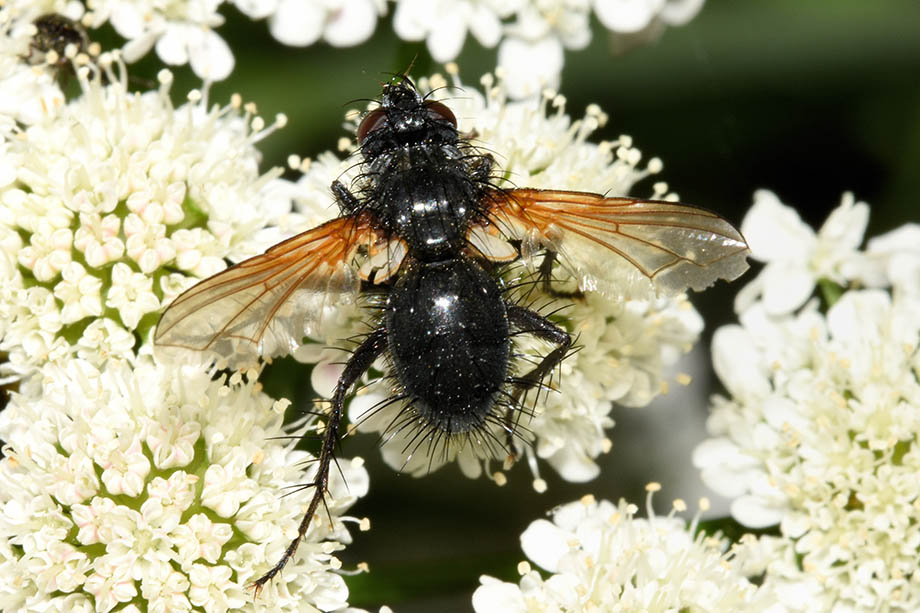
[[809, 99]]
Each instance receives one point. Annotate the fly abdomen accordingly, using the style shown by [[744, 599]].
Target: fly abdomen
[[447, 330]]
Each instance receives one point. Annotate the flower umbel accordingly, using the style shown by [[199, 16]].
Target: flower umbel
[[819, 434], [151, 485], [117, 201], [601, 557], [796, 256]]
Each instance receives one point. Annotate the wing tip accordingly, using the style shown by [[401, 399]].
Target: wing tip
[[728, 268]]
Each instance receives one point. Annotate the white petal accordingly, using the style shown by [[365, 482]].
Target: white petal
[[352, 24], [530, 67], [795, 525], [565, 589], [846, 224], [128, 20], [786, 286], [753, 512], [211, 57], [297, 23], [725, 468], [360, 412], [894, 258], [905, 238], [679, 12], [781, 412], [469, 465], [624, 15], [544, 543], [7, 170], [904, 272], [356, 478], [775, 231], [859, 318], [256, 9], [414, 18], [738, 362], [575, 31], [28, 99], [573, 465], [324, 377], [172, 46], [137, 48], [749, 294], [448, 33], [485, 26], [495, 596]]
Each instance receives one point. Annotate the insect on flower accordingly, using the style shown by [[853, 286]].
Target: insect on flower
[[54, 33], [425, 228]]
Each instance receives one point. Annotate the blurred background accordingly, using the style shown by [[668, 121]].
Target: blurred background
[[808, 99]]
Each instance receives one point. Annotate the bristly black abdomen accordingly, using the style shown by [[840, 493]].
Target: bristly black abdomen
[[448, 340]]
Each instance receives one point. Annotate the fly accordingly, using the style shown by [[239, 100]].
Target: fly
[[54, 33], [424, 226]]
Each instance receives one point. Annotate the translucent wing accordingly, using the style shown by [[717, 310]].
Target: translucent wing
[[622, 246], [267, 304]]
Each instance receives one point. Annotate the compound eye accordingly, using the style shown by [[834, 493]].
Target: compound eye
[[438, 110], [372, 121]]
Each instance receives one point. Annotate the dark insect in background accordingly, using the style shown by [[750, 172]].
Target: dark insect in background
[[54, 35], [55, 32], [425, 227]]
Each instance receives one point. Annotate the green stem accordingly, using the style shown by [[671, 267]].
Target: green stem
[[830, 292]]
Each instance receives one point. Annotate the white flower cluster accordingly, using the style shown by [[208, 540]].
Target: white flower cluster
[[28, 83], [129, 484], [820, 432], [113, 203], [532, 34], [125, 485], [601, 558], [184, 32], [626, 347]]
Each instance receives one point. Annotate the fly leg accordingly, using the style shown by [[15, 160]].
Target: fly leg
[[368, 351], [481, 168], [532, 322], [545, 273], [348, 202]]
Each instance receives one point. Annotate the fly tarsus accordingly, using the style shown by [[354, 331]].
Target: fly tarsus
[[368, 351], [532, 322]]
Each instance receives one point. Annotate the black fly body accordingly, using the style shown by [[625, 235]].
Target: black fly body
[[425, 226], [54, 33]]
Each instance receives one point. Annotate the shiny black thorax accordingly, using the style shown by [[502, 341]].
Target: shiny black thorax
[[445, 319], [422, 181]]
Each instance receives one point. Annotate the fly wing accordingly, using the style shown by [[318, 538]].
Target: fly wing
[[264, 306], [622, 246]]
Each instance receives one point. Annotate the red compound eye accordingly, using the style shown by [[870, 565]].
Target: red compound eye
[[371, 122], [439, 110]]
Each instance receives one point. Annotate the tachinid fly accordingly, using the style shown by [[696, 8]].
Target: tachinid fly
[[424, 226], [54, 33]]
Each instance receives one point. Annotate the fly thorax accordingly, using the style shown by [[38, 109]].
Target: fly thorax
[[430, 199]]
